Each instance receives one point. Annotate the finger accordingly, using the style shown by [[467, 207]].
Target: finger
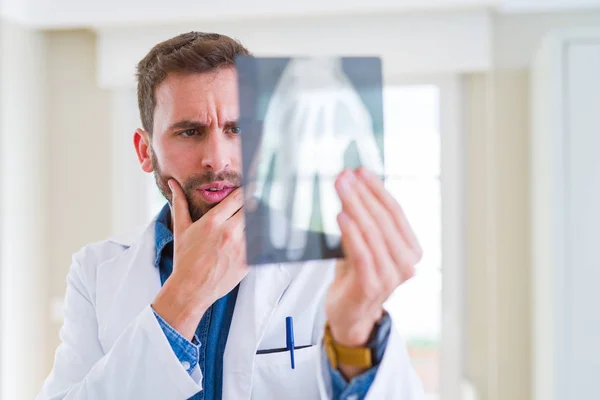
[[356, 250], [240, 246], [237, 224], [341, 265], [402, 254], [228, 207], [238, 269], [377, 187], [243, 256], [356, 210], [241, 269], [181, 212]]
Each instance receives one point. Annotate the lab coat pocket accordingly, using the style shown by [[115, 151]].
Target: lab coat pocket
[[274, 377]]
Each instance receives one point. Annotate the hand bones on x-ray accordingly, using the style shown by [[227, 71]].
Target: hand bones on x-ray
[[313, 116]]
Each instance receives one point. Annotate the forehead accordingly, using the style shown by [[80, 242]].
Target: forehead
[[196, 96]]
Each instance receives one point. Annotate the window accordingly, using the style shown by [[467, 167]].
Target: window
[[424, 171], [412, 164]]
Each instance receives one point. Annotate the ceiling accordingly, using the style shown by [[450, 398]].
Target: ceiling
[[61, 14]]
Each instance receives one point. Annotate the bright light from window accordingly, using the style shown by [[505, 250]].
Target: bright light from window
[[412, 163]]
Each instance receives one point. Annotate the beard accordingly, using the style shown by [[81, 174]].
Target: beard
[[197, 208]]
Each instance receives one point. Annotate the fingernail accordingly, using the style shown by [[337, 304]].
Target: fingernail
[[350, 177], [346, 182], [170, 185], [364, 173]]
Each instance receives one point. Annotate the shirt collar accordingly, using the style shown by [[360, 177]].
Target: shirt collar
[[163, 233]]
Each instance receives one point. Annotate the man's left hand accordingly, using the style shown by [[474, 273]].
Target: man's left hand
[[380, 250]]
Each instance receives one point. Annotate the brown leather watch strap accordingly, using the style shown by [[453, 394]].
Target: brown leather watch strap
[[353, 356]]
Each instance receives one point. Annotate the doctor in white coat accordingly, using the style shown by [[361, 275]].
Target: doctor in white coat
[[113, 341]]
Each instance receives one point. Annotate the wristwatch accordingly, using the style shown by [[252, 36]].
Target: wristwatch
[[363, 357]]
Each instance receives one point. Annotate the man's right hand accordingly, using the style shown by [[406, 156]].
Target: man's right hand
[[209, 260]]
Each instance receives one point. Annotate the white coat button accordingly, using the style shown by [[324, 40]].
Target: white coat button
[[185, 365]]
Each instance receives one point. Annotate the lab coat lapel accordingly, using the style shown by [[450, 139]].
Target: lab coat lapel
[[258, 296], [130, 282], [126, 285]]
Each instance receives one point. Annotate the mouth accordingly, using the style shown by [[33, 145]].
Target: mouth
[[216, 191]]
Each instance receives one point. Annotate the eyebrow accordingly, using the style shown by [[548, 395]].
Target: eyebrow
[[200, 126], [187, 124]]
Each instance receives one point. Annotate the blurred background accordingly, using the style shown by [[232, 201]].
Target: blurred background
[[492, 125]]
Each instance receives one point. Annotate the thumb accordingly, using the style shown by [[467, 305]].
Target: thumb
[[179, 206], [341, 268]]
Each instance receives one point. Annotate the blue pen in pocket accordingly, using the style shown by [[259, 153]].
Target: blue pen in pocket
[[289, 338]]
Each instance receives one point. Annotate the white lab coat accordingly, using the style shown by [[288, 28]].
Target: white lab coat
[[113, 347]]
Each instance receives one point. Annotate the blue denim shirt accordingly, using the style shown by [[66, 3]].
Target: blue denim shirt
[[208, 345]]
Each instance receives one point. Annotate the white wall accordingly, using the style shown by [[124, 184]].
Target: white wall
[[499, 337], [79, 164], [56, 193], [85, 13], [69, 14], [566, 217], [517, 37], [421, 43], [131, 185], [24, 266]]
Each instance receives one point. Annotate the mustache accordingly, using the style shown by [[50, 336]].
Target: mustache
[[195, 181]]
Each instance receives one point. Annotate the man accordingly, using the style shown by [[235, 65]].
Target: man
[[174, 312]]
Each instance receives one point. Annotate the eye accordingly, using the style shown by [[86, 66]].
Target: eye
[[189, 133], [235, 130]]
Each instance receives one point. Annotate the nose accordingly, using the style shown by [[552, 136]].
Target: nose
[[217, 154]]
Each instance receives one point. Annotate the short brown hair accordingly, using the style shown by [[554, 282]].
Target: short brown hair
[[192, 52]]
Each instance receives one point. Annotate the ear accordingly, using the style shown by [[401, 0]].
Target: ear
[[141, 141]]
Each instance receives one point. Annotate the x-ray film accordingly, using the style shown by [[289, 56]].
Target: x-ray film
[[303, 120]]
